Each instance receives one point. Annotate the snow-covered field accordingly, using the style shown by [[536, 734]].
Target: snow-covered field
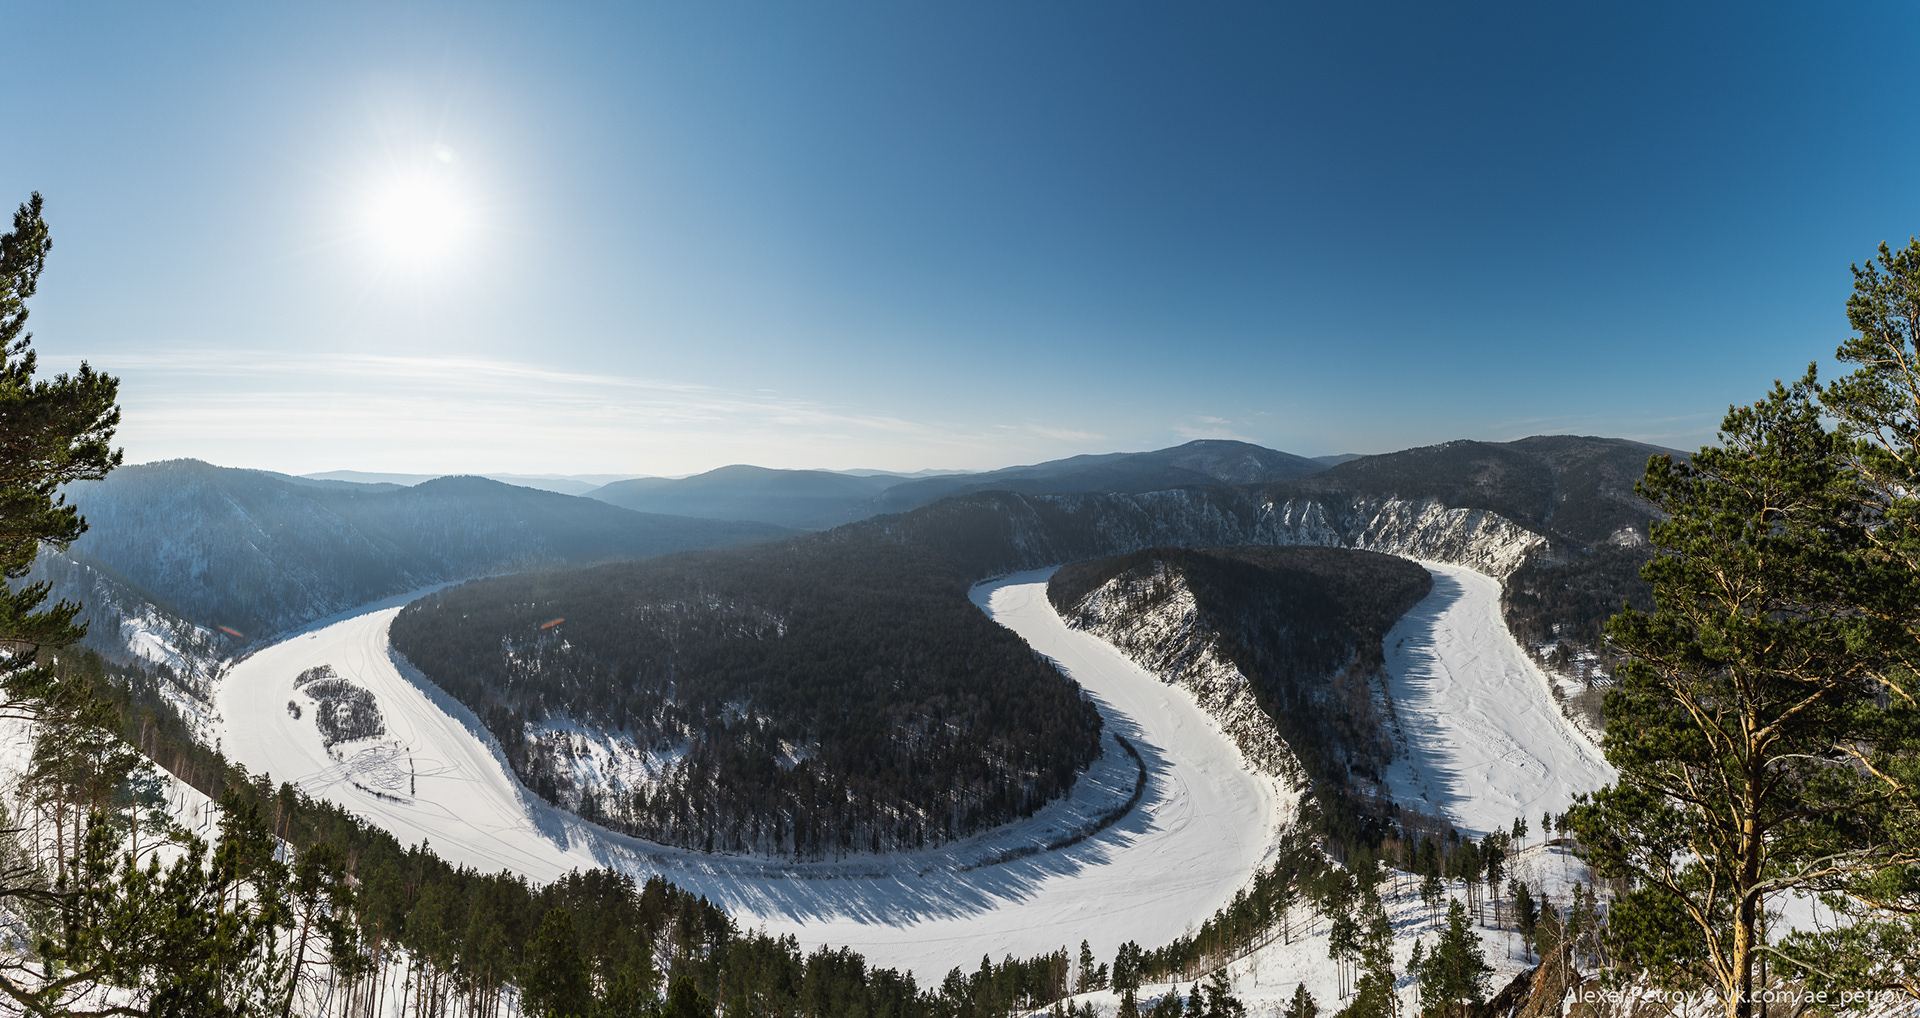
[[1202, 826], [1484, 740]]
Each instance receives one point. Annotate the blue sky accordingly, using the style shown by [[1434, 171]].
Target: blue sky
[[661, 238]]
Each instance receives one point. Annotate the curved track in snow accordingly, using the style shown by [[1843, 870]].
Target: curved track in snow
[[1202, 826], [1485, 741]]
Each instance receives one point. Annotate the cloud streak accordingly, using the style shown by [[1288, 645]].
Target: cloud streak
[[468, 413]]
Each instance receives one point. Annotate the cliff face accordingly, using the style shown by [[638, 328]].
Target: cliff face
[[1280, 645], [1002, 532], [1155, 619], [1411, 528]]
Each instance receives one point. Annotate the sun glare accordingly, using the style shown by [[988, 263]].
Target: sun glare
[[418, 219]]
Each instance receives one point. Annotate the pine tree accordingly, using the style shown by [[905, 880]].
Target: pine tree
[[52, 432], [1742, 693], [1431, 891], [1343, 945], [1126, 967], [1373, 992], [1453, 978], [1878, 409]]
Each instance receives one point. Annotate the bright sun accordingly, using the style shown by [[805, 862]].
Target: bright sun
[[418, 219]]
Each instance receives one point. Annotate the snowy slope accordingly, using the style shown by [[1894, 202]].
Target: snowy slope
[[1265, 979], [1201, 827], [1483, 739]]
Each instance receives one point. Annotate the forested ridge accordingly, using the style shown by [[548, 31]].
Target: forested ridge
[[836, 692], [825, 698], [1305, 626], [1576, 491]]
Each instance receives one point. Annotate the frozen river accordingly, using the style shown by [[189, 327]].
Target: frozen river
[[1486, 743], [1201, 827]]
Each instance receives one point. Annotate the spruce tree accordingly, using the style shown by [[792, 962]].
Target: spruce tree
[[555, 982], [1220, 1001], [1302, 1004], [1526, 914]]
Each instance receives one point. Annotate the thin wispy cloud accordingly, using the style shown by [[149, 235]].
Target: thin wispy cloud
[[431, 413], [1210, 428]]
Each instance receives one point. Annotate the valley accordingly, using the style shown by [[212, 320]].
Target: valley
[[1205, 821], [1202, 825], [842, 738]]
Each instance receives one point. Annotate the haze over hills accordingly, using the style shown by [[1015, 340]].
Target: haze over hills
[[565, 484], [1200, 462], [791, 498], [260, 553], [821, 499]]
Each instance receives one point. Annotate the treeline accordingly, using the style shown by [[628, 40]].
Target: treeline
[[1305, 626], [822, 697]]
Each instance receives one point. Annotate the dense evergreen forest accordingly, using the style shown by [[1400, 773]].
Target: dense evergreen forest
[[825, 697], [362, 925], [1305, 626]]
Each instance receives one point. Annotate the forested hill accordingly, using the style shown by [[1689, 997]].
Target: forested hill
[[1302, 626], [259, 553], [817, 697], [742, 672], [1575, 490], [1200, 463], [791, 498]]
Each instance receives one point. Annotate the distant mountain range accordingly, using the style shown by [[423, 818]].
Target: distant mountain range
[[252, 553], [820, 499], [565, 484], [790, 498], [192, 547], [823, 499]]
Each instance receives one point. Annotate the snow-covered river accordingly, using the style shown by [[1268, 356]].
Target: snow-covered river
[[1485, 739], [1196, 835], [1202, 826]]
